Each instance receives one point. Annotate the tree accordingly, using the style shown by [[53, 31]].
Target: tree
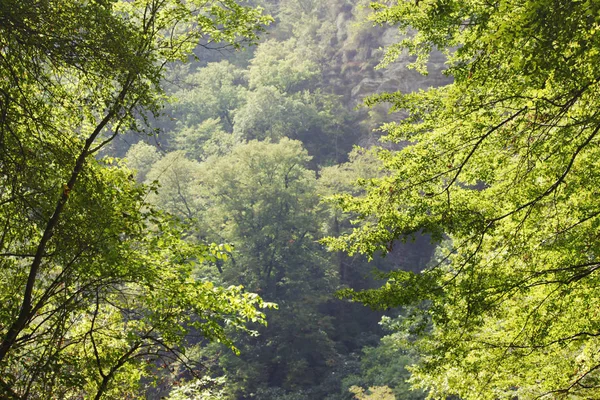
[[317, 119], [262, 199], [343, 178], [373, 393], [385, 365], [203, 389], [285, 65], [204, 140], [140, 157], [180, 189], [503, 164], [82, 255], [212, 92]]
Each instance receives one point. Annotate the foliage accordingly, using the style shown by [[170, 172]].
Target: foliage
[[311, 22], [140, 157], [204, 140], [201, 389], [503, 162], [284, 65], [316, 119], [386, 366], [213, 173], [347, 177], [179, 185], [95, 284], [214, 91], [262, 199], [373, 393]]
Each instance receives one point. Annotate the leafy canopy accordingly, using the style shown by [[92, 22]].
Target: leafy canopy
[[95, 285], [503, 163]]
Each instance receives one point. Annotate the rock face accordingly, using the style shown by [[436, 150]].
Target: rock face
[[361, 48], [353, 51], [396, 76]]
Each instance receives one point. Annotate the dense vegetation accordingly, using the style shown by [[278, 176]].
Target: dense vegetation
[[174, 175], [500, 169], [249, 145], [96, 285]]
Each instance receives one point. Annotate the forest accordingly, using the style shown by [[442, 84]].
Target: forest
[[299, 199]]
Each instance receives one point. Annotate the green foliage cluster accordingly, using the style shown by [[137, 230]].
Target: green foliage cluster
[[109, 285], [202, 389], [96, 284], [248, 148], [263, 200], [276, 96], [373, 393], [386, 366], [502, 164]]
